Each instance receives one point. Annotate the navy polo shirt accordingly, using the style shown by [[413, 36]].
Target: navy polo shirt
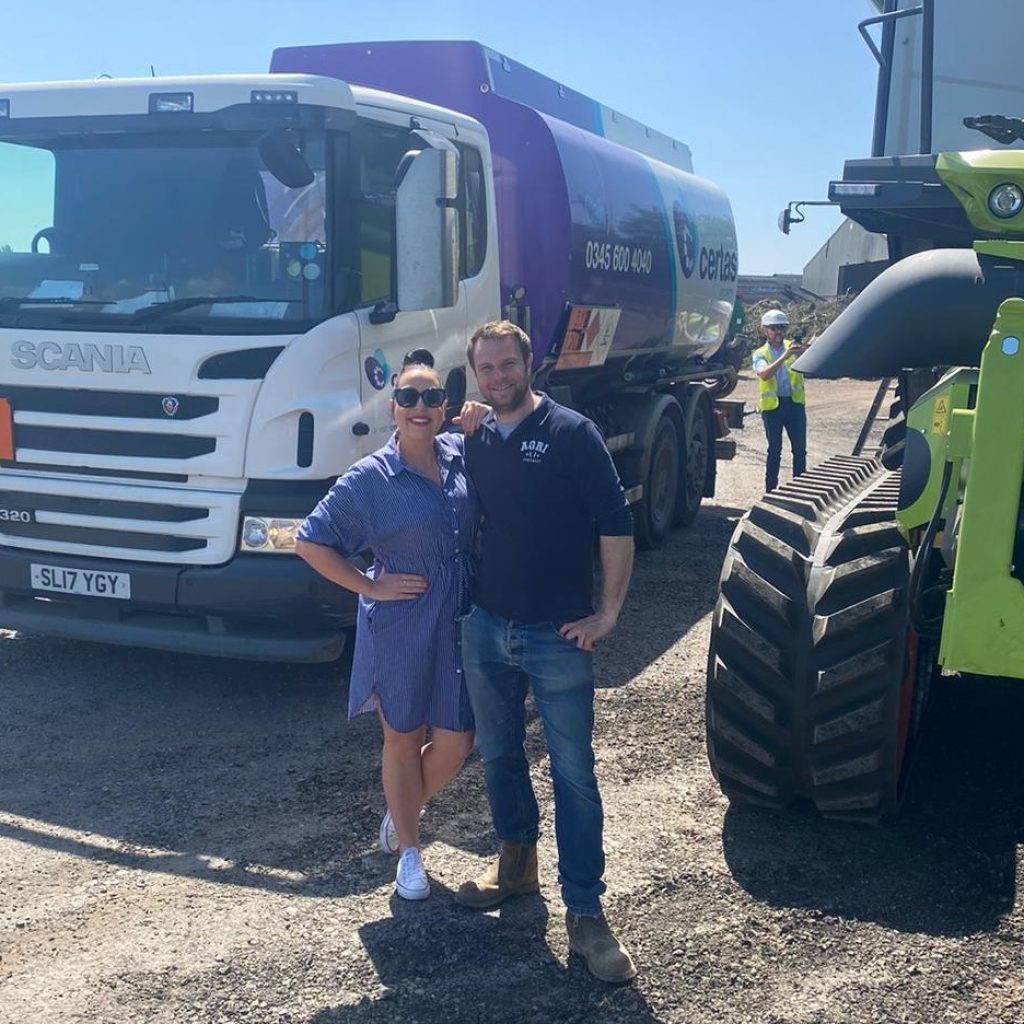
[[543, 490]]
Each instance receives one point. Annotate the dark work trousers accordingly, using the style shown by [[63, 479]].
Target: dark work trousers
[[791, 417]]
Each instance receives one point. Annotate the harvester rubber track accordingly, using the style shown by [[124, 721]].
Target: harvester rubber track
[[812, 672]]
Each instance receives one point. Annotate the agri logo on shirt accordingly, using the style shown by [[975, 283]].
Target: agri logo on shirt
[[533, 451]]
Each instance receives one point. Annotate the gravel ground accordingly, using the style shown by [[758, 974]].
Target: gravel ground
[[185, 839]]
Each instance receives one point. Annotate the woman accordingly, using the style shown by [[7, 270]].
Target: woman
[[410, 503]]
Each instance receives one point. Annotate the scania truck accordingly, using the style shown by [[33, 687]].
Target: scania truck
[[207, 284]]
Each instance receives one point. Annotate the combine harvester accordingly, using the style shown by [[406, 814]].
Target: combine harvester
[[844, 592]]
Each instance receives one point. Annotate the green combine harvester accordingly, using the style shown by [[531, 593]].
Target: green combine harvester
[[847, 591], [844, 591]]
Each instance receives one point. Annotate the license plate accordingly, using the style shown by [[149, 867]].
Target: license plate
[[87, 582]]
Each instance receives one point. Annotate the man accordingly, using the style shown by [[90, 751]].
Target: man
[[780, 396], [545, 481]]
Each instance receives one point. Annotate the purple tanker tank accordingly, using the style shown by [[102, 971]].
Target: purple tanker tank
[[616, 249]]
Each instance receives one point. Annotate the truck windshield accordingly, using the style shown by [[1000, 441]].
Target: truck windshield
[[126, 229]]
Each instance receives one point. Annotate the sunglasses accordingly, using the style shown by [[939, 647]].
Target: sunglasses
[[779, 327], [407, 397]]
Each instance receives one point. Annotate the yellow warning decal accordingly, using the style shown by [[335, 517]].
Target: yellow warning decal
[[940, 416]]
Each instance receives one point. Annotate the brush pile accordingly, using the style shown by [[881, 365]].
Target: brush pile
[[807, 318]]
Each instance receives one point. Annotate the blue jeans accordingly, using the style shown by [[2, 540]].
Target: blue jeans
[[791, 417], [502, 659]]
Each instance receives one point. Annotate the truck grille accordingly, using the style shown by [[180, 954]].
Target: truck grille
[[150, 436], [123, 404], [73, 436], [144, 524]]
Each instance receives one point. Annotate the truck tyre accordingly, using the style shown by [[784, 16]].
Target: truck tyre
[[816, 681], [656, 509], [694, 466]]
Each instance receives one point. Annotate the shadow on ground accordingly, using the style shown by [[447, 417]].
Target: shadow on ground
[[456, 965], [672, 589], [249, 773], [949, 867], [233, 772]]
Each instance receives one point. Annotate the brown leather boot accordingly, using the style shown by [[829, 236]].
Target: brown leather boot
[[606, 957], [513, 873]]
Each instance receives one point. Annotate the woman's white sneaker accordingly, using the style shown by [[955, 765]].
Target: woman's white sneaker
[[411, 879], [387, 836]]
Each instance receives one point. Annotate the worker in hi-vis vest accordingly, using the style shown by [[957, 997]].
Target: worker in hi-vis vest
[[780, 396]]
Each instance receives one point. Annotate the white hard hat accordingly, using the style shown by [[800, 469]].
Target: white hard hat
[[774, 318]]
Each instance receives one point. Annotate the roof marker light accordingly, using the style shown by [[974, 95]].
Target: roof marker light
[[274, 96], [170, 103]]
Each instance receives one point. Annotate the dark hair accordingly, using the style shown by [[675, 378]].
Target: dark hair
[[419, 357], [496, 330], [416, 365]]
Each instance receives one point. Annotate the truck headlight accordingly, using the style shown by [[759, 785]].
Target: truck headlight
[[269, 536], [1006, 200]]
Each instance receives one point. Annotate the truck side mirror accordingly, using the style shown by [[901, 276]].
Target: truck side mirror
[[426, 227], [284, 161]]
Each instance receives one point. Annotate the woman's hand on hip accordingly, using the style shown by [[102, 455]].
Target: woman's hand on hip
[[397, 586]]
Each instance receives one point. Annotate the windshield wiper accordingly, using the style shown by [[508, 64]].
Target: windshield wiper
[[18, 302], [160, 309]]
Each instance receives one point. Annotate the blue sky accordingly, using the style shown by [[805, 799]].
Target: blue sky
[[771, 97]]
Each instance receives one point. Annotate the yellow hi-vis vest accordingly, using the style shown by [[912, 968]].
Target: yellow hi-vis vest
[[768, 390]]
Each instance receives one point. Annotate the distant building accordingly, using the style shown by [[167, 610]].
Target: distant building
[[847, 261], [751, 288]]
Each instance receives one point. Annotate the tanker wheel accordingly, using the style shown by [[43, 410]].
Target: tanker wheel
[[695, 467], [816, 681], [654, 512]]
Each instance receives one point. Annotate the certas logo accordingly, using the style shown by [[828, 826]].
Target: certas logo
[[712, 264], [686, 238], [718, 264], [51, 355], [533, 451]]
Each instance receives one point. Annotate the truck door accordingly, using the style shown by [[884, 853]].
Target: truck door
[[386, 333]]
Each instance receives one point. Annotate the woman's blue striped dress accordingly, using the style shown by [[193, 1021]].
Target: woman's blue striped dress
[[408, 654]]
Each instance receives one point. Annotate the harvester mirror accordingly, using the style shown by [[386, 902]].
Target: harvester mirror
[[1005, 130], [785, 220], [283, 159], [426, 225]]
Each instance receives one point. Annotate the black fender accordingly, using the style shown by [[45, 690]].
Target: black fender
[[931, 309]]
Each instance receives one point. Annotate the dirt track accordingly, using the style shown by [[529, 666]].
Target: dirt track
[[194, 840]]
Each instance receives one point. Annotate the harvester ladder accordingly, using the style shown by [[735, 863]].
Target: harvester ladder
[[872, 419]]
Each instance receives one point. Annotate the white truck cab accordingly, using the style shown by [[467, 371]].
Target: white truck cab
[[198, 328]]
